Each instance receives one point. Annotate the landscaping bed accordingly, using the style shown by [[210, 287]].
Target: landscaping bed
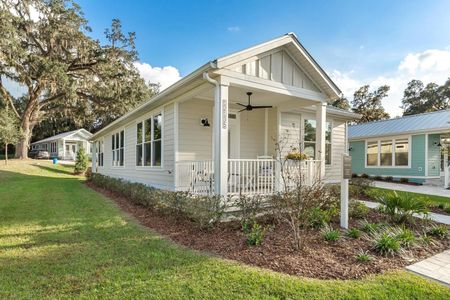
[[318, 259]]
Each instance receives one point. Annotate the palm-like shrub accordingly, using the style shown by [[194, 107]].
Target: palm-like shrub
[[401, 206]]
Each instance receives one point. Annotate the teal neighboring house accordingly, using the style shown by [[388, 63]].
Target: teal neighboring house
[[413, 147]]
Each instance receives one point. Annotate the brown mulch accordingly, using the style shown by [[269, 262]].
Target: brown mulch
[[319, 259]]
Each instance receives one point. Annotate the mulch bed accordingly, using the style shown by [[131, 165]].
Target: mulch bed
[[319, 259]]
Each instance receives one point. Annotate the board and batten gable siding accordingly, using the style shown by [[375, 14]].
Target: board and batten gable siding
[[195, 140], [159, 177], [417, 164], [434, 155]]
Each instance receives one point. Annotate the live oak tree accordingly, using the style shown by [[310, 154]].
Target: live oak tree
[[418, 98], [341, 102], [369, 105], [10, 132], [44, 47]]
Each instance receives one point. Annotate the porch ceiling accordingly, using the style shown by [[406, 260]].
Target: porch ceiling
[[237, 94]]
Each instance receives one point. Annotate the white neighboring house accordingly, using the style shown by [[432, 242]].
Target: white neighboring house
[[195, 136], [65, 145]]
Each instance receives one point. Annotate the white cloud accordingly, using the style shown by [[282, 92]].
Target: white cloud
[[432, 65], [234, 29], [165, 76]]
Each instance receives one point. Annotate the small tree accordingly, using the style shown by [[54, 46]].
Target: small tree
[[10, 132], [81, 162]]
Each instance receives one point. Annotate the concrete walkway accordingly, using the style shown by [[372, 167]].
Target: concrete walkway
[[436, 267], [444, 219], [421, 189]]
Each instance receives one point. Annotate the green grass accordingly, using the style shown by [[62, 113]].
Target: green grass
[[59, 239], [436, 200]]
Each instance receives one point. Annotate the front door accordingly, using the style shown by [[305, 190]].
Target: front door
[[233, 135]]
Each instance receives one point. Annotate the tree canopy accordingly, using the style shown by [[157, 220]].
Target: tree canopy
[[418, 98], [10, 132], [68, 76], [368, 103]]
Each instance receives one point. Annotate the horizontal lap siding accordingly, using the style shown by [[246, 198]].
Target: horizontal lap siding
[[195, 140], [157, 177], [252, 133], [290, 133]]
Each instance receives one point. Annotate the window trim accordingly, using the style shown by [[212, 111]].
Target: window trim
[[142, 120], [302, 142], [118, 131], [392, 139], [100, 143]]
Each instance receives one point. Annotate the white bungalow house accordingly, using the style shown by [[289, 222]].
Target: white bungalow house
[[65, 145], [215, 130]]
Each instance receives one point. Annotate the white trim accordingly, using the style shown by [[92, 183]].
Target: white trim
[[266, 129], [124, 148], [392, 139], [426, 154], [412, 132], [142, 119]]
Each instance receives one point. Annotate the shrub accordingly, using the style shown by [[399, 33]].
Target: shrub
[[249, 208], [439, 231], [447, 209], [205, 211], [320, 217], [88, 173], [255, 235], [389, 178], [404, 180], [330, 234], [360, 186], [357, 209], [386, 243], [378, 177], [354, 233], [354, 175], [370, 228], [81, 162], [405, 236], [363, 256], [401, 206], [364, 175], [426, 239]]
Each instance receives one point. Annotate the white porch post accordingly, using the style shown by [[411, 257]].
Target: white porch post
[[446, 171], [94, 157], [221, 139], [64, 149], [321, 118]]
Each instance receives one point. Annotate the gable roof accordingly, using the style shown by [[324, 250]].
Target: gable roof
[[421, 123], [196, 77], [64, 135]]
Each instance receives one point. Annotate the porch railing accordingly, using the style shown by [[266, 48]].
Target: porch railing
[[246, 176]]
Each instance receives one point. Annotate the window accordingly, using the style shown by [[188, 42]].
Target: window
[[309, 140], [401, 152], [372, 153], [117, 144], [148, 142], [100, 150], [388, 153], [53, 147]]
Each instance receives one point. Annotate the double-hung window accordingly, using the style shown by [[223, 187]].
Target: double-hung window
[[309, 140], [388, 153], [148, 142], [53, 147], [117, 147], [100, 151]]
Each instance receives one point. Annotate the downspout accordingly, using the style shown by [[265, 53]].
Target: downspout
[[216, 127]]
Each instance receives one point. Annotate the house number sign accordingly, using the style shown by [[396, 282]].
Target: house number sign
[[346, 167], [224, 114]]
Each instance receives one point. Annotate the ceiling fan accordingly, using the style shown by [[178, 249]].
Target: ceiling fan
[[250, 107]]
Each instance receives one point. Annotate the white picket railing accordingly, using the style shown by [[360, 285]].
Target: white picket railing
[[246, 176]]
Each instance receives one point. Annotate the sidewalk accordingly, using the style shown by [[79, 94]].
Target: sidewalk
[[444, 219], [421, 189], [436, 267]]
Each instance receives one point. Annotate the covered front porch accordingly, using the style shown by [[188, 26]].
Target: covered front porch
[[244, 151]]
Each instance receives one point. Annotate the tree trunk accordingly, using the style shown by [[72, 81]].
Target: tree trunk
[[27, 128], [6, 153]]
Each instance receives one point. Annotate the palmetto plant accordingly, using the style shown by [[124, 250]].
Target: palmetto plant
[[401, 206]]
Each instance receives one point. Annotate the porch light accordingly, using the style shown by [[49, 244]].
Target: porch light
[[350, 148], [205, 122], [438, 144]]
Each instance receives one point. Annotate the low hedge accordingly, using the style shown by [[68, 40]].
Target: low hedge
[[205, 211]]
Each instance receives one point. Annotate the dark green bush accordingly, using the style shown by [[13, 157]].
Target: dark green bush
[[386, 243], [354, 233], [205, 211], [359, 186], [378, 177], [405, 236], [357, 209], [364, 175], [81, 162], [354, 175], [330, 234], [401, 206], [363, 256], [404, 180], [255, 234], [439, 231], [389, 178], [320, 217]]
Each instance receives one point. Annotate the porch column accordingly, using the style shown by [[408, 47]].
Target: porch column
[[446, 171], [321, 118], [64, 150], [94, 157], [221, 140]]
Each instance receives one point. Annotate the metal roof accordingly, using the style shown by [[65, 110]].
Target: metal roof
[[62, 135], [438, 121]]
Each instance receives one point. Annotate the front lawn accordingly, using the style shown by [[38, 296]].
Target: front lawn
[[60, 239]]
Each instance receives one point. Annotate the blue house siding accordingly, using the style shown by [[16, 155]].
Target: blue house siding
[[417, 167]]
